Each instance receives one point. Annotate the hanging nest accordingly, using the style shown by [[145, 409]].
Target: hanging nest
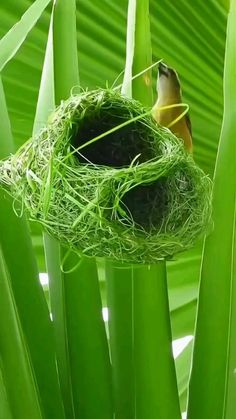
[[134, 194]]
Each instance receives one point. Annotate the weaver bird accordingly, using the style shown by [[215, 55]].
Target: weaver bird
[[169, 93]]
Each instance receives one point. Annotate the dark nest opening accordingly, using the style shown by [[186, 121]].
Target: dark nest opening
[[147, 204], [119, 148]]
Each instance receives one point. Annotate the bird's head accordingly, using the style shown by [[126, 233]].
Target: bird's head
[[168, 83]]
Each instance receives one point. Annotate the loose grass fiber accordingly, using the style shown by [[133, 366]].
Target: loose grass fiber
[[104, 179]]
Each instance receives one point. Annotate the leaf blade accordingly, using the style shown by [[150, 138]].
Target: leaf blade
[[12, 41], [17, 371], [215, 332]]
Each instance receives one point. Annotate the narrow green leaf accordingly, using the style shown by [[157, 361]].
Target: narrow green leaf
[[138, 52], [82, 350], [5, 411], [130, 42], [66, 70], [29, 298], [213, 385], [142, 86], [88, 349], [58, 308], [45, 105], [230, 404], [119, 301], [46, 102], [15, 361], [12, 41], [155, 377], [7, 143]]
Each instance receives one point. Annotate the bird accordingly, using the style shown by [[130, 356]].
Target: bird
[[169, 93]]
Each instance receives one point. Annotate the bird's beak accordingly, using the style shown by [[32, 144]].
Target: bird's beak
[[163, 69]]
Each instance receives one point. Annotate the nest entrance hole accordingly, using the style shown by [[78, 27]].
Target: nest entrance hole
[[117, 149], [147, 204]]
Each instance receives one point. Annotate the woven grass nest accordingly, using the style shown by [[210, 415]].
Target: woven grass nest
[[134, 194]]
